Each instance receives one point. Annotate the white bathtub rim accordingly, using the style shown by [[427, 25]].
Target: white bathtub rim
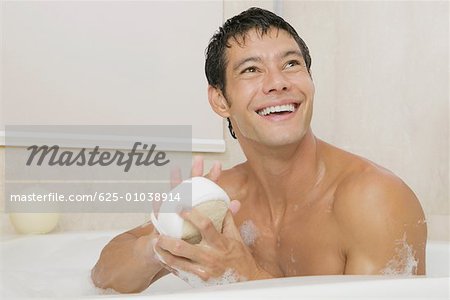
[[289, 288]]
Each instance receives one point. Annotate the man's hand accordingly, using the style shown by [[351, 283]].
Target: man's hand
[[218, 252]]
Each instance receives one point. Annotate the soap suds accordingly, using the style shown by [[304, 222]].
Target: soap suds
[[403, 262], [108, 291], [229, 276], [293, 260], [291, 268], [421, 221], [249, 232], [320, 173]]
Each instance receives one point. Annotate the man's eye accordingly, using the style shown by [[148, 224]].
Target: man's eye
[[292, 63], [249, 70]]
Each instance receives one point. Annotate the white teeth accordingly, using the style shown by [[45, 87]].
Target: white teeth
[[277, 108]]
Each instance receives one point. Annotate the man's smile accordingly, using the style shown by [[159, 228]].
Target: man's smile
[[278, 112]]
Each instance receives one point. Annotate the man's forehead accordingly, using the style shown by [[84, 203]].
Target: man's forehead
[[241, 40], [241, 45]]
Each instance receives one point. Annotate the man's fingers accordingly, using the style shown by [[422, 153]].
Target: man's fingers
[[229, 227], [175, 177], [197, 166], [178, 247], [169, 260], [203, 224], [215, 171], [176, 263], [234, 206]]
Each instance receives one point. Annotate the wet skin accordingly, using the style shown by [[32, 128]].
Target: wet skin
[[317, 209]]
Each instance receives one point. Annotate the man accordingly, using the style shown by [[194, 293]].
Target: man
[[304, 207]]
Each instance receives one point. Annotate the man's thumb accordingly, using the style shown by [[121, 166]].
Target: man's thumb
[[234, 206], [229, 228]]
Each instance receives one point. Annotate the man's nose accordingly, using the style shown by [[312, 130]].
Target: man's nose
[[275, 81]]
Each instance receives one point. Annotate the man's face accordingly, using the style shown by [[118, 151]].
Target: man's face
[[268, 88]]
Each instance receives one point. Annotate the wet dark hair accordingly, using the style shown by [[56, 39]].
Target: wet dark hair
[[253, 18], [236, 27]]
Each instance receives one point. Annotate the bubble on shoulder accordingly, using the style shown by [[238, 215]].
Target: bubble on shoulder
[[403, 262], [249, 232]]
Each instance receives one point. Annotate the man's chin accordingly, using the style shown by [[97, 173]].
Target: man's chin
[[281, 141]]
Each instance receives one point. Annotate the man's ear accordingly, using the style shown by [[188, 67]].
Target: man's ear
[[218, 102]]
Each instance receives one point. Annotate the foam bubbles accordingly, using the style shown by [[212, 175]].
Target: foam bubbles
[[249, 232], [403, 262], [229, 276], [293, 260]]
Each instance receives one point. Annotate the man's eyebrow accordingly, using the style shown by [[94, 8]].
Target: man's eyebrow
[[258, 59], [292, 52], [245, 60]]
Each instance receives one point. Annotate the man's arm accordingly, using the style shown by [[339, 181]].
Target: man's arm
[[383, 225], [127, 263]]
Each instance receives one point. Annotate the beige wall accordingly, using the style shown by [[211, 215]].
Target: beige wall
[[381, 75], [381, 70]]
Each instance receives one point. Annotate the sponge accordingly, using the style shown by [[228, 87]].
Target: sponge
[[207, 197]]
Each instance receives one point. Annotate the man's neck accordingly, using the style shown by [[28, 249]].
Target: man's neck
[[285, 176]]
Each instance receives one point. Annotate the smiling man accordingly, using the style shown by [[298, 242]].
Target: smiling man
[[303, 207]]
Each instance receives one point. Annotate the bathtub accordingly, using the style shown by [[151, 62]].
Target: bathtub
[[58, 266]]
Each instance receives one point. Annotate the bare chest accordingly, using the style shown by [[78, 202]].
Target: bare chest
[[305, 243]]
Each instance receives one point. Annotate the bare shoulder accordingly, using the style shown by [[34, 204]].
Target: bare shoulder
[[372, 193], [376, 211], [234, 180]]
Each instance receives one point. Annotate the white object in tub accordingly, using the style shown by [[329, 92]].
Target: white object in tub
[[202, 190], [34, 223], [58, 265]]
